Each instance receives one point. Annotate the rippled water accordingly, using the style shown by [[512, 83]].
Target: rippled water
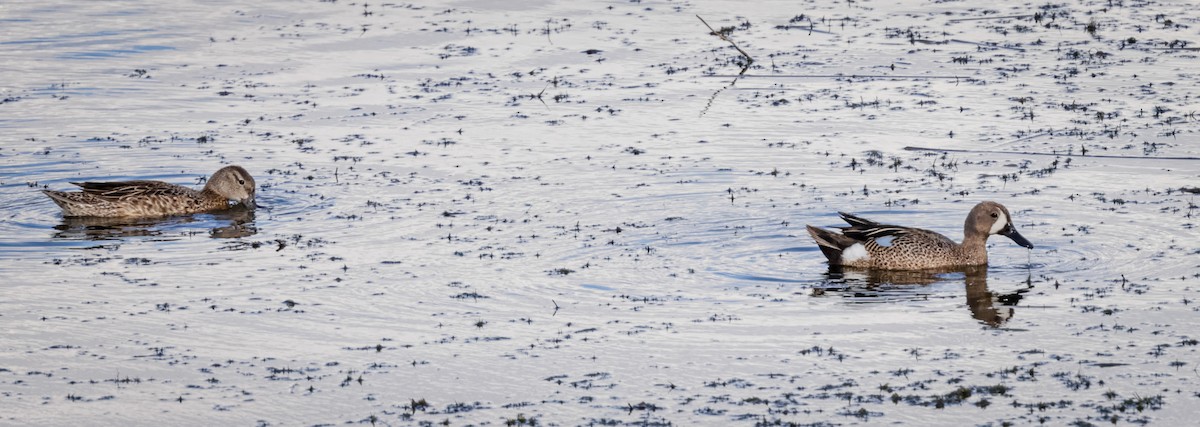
[[570, 213]]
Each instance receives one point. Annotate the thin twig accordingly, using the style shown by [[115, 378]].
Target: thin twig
[[987, 45], [833, 76], [745, 66], [1031, 153], [989, 18], [539, 96], [726, 38]]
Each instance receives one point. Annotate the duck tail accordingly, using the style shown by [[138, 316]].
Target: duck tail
[[58, 197], [831, 243]]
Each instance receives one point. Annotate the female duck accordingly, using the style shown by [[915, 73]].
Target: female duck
[[156, 198], [869, 244]]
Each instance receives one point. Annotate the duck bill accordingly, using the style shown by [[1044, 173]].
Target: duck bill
[[1012, 233]]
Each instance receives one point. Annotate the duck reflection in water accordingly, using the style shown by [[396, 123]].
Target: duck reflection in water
[[238, 222], [872, 285]]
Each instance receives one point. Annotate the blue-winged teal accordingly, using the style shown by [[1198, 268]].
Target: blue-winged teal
[[869, 244], [156, 198]]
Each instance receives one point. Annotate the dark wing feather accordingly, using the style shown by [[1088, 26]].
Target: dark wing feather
[[857, 221], [863, 229], [126, 189], [872, 233]]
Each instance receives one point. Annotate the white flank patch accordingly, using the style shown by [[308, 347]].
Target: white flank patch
[[885, 241], [854, 253], [1001, 221]]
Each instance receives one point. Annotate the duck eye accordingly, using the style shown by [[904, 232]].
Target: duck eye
[[243, 182], [994, 215]]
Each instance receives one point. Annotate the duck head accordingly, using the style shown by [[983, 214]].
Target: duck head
[[989, 218], [233, 183]]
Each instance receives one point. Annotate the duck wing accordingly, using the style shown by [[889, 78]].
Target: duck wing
[[873, 233], [876, 231], [120, 190], [897, 237], [862, 229]]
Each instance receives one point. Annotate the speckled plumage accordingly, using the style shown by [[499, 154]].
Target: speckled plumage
[[869, 244], [156, 198]]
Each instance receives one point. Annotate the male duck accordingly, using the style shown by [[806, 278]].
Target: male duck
[[869, 244], [156, 198]]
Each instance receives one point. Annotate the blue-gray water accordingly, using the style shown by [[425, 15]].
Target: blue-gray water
[[491, 212]]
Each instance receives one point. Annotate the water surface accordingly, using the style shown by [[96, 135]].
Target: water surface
[[571, 213]]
